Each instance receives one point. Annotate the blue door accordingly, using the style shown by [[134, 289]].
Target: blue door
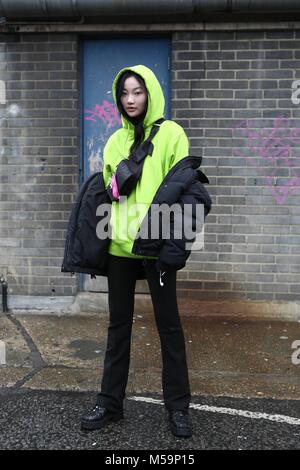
[[101, 60]]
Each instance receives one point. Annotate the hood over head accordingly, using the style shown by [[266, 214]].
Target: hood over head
[[156, 100]]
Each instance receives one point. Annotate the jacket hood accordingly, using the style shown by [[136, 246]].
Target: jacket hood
[[156, 100]]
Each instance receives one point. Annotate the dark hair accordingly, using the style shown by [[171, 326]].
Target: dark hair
[[138, 122]]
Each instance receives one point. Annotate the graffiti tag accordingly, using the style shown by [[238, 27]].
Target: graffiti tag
[[270, 151], [107, 112]]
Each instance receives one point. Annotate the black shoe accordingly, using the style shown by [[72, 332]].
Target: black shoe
[[179, 421], [99, 417]]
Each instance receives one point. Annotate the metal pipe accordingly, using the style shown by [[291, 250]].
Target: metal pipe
[[4, 294], [76, 8]]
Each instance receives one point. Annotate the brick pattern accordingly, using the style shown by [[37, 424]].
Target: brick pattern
[[39, 159], [220, 79], [228, 90]]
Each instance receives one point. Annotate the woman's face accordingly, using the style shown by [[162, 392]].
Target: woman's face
[[134, 97]]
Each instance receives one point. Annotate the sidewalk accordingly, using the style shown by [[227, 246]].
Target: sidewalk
[[235, 357]]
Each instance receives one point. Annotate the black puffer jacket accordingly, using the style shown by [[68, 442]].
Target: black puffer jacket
[[182, 185], [85, 252]]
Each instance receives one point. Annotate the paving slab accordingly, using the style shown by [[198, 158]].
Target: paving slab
[[226, 357], [68, 341]]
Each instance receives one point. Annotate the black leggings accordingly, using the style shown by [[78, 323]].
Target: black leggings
[[122, 274]]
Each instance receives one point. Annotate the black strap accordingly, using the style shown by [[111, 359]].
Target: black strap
[[146, 148], [129, 170]]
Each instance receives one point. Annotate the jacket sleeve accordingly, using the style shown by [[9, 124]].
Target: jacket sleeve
[[194, 205]]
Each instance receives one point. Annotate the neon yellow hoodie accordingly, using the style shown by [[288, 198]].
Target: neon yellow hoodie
[[170, 145]]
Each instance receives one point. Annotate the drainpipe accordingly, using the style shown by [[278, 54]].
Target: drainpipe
[[115, 8], [4, 294]]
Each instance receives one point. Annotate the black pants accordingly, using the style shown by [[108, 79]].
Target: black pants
[[121, 289]]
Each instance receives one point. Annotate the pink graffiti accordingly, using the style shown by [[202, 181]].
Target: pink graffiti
[[107, 113], [270, 151], [281, 193]]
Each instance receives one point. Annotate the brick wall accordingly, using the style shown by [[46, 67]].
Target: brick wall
[[39, 159], [228, 87], [232, 93]]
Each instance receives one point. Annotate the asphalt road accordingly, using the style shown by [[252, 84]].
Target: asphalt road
[[39, 420]]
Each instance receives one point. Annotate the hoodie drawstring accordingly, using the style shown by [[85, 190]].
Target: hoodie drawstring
[[144, 262], [160, 276]]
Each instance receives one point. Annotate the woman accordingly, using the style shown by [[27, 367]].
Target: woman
[[140, 100]]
